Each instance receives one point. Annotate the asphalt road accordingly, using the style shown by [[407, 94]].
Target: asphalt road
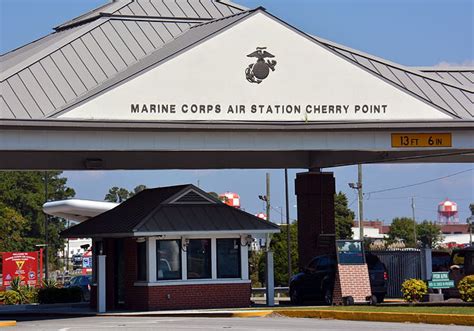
[[235, 324]]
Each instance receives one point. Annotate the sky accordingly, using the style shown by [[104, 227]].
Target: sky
[[409, 32]]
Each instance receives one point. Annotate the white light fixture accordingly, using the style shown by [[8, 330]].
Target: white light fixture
[[247, 240], [184, 244]]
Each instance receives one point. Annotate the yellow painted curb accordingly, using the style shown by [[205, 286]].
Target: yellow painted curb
[[382, 316], [262, 313], [7, 323]]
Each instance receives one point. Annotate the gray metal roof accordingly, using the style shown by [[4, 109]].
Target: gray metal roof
[[456, 75], [56, 73], [176, 9], [174, 209], [202, 218], [47, 74], [450, 96]]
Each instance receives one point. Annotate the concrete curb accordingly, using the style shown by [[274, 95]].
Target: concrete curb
[[7, 323], [445, 319]]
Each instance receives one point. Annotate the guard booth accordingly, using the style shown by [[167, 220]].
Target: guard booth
[[171, 248]]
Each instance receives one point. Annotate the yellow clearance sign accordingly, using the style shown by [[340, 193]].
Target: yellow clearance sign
[[421, 140]]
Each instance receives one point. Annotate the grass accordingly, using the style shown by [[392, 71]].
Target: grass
[[382, 309], [409, 309]]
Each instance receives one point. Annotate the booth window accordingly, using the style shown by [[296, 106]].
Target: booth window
[[228, 258], [141, 261], [168, 259], [199, 259]]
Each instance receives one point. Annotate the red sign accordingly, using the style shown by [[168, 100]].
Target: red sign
[[23, 265]]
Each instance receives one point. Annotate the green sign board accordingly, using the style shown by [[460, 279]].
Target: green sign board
[[440, 280]]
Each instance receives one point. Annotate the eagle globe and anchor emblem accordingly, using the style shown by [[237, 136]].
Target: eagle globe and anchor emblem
[[257, 72]]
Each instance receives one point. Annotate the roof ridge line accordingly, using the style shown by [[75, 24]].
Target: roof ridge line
[[230, 16], [114, 16], [81, 19], [388, 63]]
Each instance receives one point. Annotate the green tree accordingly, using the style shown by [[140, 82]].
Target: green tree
[[117, 194], [137, 190], [429, 233], [120, 194], [344, 217], [14, 229], [402, 228], [24, 193], [279, 246]]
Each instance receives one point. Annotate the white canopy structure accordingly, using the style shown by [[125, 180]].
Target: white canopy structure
[[76, 209]]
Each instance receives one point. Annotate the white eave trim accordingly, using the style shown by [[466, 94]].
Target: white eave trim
[[203, 233]]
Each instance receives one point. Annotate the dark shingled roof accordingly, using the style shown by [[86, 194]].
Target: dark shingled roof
[[152, 212]]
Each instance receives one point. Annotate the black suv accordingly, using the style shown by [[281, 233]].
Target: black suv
[[316, 282]]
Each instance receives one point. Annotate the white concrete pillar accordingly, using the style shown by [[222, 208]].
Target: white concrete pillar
[[101, 286], [244, 260], [270, 280], [151, 259], [184, 261], [213, 258]]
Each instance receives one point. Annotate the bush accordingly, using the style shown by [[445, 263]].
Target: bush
[[59, 295], [11, 297], [466, 288], [413, 290]]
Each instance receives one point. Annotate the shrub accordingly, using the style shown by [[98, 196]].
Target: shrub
[[413, 290], [26, 294], [49, 283], [59, 295], [466, 288], [11, 297]]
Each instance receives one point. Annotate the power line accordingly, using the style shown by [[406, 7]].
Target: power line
[[420, 183]]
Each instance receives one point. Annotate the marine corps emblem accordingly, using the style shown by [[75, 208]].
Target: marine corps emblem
[[257, 72]]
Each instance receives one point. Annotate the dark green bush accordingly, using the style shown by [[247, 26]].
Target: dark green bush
[[59, 295]]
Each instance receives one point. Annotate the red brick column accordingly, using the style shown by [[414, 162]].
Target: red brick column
[[136, 297], [316, 222], [352, 280]]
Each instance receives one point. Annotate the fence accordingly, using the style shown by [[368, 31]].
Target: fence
[[401, 265]]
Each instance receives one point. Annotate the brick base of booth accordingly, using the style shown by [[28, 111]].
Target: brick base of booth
[[189, 296], [184, 297], [351, 280]]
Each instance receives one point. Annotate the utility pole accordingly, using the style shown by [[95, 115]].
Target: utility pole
[[288, 235], [268, 197], [46, 228], [414, 219], [269, 274], [361, 202]]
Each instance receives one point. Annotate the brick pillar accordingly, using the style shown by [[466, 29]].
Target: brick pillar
[[316, 223]]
